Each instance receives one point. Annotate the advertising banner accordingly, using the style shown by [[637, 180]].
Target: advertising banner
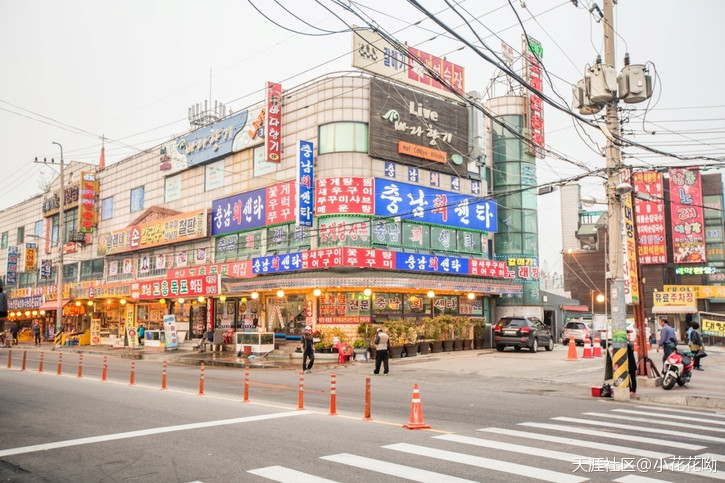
[[305, 183], [430, 263], [713, 327], [239, 269], [674, 298], [46, 269], [190, 286], [534, 105], [209, 142], [95, 331], [344, 308], [87, 215], [32, 302], [346, 195], [650, 218], [254, 209], [11, 273], [687, 221], [429, 205], [273, 123], [629, 247], [172, 342], [31, 255]]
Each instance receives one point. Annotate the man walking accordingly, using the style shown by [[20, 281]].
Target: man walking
[[14, 331], [382, 346], [668, 340], [36, 332], [308, 350]]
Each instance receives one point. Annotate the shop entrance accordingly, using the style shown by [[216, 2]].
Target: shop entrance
[[286, 314]]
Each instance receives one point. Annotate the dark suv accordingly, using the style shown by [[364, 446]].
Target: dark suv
[[521, 332]]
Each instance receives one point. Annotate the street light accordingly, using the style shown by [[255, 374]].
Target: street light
[[600, 298]]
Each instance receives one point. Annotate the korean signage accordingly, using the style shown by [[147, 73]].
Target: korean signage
[[343, 308], [305, 183], [350, 230], [524, 268], [209, 142], [46, 269], [87, 215], [239, 269], [431, 263], [629, 246], [25, 302], [695, 270], [713, 327], [346, 195], [374, 54], [688, 228], [273, 123], [428, 205], [190, 286], [171, 341], [674, 298], [31, 255], [650, 218], [534, 105], [254, 209], [417, 129], [700, 291], [11, 274], [174, 229]]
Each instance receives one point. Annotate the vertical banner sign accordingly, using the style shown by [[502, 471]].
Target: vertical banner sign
[[305, 182], [95, 331], [46, 269], [172, 342], [12, 270], [688, 223], [131, 333], [31, 255], [87, 202], [534, 105], [273, 123], [650, 217], [629, 261]]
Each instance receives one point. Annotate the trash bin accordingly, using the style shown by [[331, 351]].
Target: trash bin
[[247, 350]]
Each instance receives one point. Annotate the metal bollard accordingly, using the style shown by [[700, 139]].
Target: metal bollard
[[60, 363], [105, 367], [163, 377], [132, 382], [367, 400], [201, 380], [80, 366], [300, 404], [333, 396], [40, 366], [246, 385]]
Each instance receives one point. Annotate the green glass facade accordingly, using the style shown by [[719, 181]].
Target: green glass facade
[[514, 187]]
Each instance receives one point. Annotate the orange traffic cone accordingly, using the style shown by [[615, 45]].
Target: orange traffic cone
[[587, 354], [572, 350], [597, 347], [416, 412]]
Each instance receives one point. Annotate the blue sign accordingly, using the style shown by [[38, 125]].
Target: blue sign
[[239, 212], [389, 169], [475, 187], [305, 182], [25, 302], [46, 269], [212, 141], [12, 270], [413, 175], [427, 205], [277, 263], [430, 263]]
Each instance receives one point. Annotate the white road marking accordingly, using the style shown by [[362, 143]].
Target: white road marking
[[645, 429], [713, 456], [491, 464], [287, 475], [638, 479], [392, 469], [669, 416], [685, 411], [144, 432], [626, 437], [580, 443], [655, 421]]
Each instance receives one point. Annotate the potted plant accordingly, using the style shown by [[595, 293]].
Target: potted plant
[[326, 347], [410, 339], [395, 328], [478, 332], [423, 340], [360, 349], [366, 331], [432, 330], [447, 331], [319, 346]]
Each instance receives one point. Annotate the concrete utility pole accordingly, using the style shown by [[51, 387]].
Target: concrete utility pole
[[61, 213], [620, 367]]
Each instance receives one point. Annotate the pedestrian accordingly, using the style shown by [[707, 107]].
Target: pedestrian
[[308, 349], [141, 331], [206, 338], [382, 352], [695, 342], [36, 332], [14, 331], [668, 340]]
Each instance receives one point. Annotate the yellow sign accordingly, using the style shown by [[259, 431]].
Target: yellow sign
[[713, 327], [631, 280], [31, 254], [700, 291], [131, 326], [95, 331], [674, 298]]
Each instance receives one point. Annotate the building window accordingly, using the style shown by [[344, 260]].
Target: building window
[[137, 195], [214, 176], [343, 137], [54, 229], [4, 240], [107, 208], [172, 188], [38, 228], [26, 279], [92, 269], [70, 272], [21, 234], [70, 223]]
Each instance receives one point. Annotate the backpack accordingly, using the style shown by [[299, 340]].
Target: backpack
[[695, 337]]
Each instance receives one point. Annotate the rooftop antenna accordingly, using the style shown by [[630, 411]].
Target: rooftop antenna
[[210, 112]]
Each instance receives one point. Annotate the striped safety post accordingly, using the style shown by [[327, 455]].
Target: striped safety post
[[367, 400], [10, 358], [40, 365], [105, 368], [201, 380], [60, 364], [246, 385], [80, 366], [300, 402], [25, 356], [132, 382], [163, 377], [333, 396]]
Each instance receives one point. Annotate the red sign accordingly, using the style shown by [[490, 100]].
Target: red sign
[[324, 258], [345, 195], [273, 123], [488, 268], [206, 285], [535, 106], [87, 190], [450, 72], [240, 269], [650, 218], [281, 203], [688, 224]]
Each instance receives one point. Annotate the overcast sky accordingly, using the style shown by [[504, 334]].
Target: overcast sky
[[74, 71]]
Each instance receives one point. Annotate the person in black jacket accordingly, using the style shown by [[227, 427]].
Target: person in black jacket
[[695, 342], [308, 350]]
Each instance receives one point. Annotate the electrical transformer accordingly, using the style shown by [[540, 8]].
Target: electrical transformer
[[582, 101], [602, 83], [635, 85]]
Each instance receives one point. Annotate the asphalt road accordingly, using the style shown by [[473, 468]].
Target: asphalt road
[[485, 427]]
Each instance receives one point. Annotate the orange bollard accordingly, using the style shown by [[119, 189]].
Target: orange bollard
[[105, 367], [416, 412], [572, 350], [201, 380], [132, 382], [597, 347], [80, 366], [163, 377], [246, 385], [10, 357], [25, 355], [333, 397], [40, 366], [60, 363], [367, 417], [300, 404], [587, 353]]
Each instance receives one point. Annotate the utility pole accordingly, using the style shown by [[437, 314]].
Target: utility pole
[[620, 366]]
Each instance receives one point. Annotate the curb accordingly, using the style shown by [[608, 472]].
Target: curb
[[706, 402]]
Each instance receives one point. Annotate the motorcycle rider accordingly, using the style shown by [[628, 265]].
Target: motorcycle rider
[[668, 340]]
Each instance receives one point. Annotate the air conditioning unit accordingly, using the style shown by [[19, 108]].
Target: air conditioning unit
[[635, 85], [602, 83]]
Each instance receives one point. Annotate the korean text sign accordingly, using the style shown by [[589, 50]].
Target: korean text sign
[[344, 195], [688, 223], [254, 209], [273, 123], [305, 182], [650, 218]]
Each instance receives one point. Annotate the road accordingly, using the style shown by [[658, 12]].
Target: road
[[485, 427]]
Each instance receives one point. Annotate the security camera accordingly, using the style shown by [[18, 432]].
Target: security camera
[[623, 189]]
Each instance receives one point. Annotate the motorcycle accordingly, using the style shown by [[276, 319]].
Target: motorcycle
[[678, 369]]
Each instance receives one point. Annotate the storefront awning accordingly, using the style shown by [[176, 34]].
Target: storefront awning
[[673, 309], [575, 308], [52, 305]]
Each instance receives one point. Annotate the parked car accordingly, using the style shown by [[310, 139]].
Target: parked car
[[575, 329], [520, 332]]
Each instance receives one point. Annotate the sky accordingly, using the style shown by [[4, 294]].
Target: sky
[[80, 70]]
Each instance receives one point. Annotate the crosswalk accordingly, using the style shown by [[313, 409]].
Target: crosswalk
[[599, 446]]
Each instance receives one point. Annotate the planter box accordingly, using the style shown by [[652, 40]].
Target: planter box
[[477, 344], [436, 346], [447, 345], [457, 345], [467, 344], [361, 354], [424, 347], [411, 349], [396, 351]]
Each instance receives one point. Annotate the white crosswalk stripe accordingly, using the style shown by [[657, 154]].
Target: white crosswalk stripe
[[287, 475], [646, 429], [638, 479], [717, 457], [669, 416], [487, 463], [608, 434], [683, 411], [614, 448], [656, 421], [393, 469]]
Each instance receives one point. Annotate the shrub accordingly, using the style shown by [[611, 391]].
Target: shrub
[[359, 343]]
